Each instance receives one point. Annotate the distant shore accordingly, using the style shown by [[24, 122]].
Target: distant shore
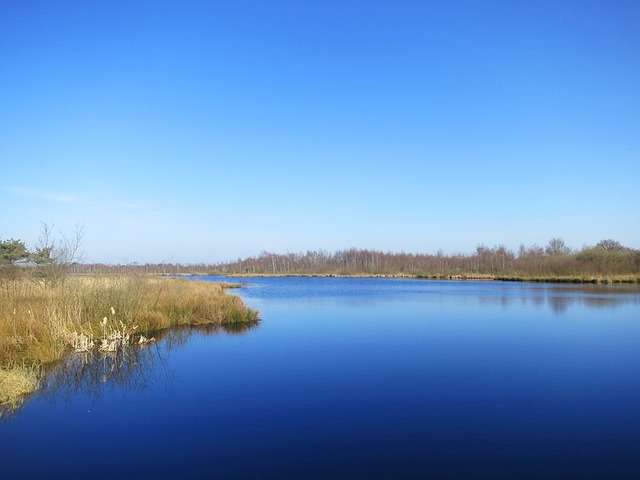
[[608, 279]]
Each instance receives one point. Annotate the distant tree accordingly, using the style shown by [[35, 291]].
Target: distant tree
[[532, 251], [12, 251], [530, 260], [54, 259], [610, 245], [557, 246], [493, 260], [522, 250], [43, 256]]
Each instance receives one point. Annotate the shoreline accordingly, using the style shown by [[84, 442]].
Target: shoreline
[[42, 324], [577, 279]]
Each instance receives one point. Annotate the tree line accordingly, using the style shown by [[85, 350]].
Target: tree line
[[51, 260], [607, 257]]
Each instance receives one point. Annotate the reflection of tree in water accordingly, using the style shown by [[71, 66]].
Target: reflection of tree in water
[[130, 368], [560, 304], [592, 298], [560, 298]]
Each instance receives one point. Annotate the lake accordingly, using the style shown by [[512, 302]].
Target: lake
[[356, 378]]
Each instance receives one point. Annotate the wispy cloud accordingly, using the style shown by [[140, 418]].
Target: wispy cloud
[[116, 203], [44, 194]]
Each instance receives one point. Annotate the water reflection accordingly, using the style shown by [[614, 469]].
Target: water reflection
[[416, 380], [132, 368], [559, 304], [559, 298], [366, 293], [129, 368]]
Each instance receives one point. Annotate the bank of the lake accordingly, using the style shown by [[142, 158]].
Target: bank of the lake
[[587, 279], [41, 323]]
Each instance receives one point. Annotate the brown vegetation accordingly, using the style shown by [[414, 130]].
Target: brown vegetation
[[608, 260]]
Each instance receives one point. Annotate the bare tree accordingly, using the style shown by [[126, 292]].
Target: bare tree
[[557, 247], [52, 258], [610, 245]]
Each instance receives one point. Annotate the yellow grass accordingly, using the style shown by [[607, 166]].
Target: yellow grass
[[40, 324], [15, 383]]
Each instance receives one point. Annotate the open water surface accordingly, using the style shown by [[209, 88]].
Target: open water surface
[[356, 378]]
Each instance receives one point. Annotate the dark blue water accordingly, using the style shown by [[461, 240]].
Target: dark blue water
[[357, 378]]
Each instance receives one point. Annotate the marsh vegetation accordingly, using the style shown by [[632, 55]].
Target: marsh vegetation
[[41, 322]]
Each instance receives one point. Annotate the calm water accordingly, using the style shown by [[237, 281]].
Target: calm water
[[357, 378]]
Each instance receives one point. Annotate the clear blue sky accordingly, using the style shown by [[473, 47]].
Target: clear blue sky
[[203, 131]]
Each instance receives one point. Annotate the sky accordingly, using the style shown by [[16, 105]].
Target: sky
[[203, 131]]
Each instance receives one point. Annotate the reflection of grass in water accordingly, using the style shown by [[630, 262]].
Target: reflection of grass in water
[[39, 324], [131, 368], [235, 328]]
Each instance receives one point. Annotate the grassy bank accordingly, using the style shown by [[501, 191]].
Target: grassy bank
[[40, 324]]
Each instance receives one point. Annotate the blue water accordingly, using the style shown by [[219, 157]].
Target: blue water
[[357, 378]]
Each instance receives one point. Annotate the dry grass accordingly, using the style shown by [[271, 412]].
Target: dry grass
[[15, 383], [39, 324]]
